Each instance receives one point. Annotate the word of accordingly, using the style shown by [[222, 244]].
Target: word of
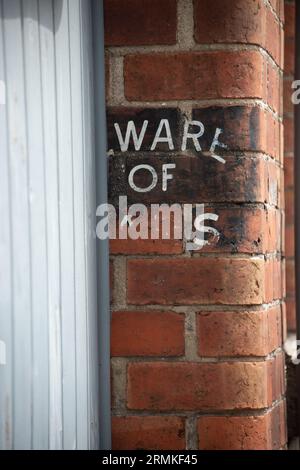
[[165, 177]]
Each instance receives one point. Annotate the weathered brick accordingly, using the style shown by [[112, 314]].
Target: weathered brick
[[289, 37], [248, 128], [262, 432], [244, 128], [273, 279], [136, 23], [291, 313], [288, 172], [289, 19], [147, 334], [226, 22], [273, 88], [283, 321], [148, 432], [205, 386], [290, 277], [289, 206], [278, 8], [288, 134], [283, 278], [241, 230], [140, 247], [273, 29], [290, 241], [247, 333], [244, 230], [252, 134], [288, 106], [189, 76], [289, 56], [202, 281]]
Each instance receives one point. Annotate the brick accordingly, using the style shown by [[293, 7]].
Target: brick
[[203, 386], [262, 432], [202, 281], [289, 38], [136, 23], [288, 172], [288, 134], [272, 231], [141, 247], [273, 279], [273, 88], [283, 278], [289, 20], [226, 22], [244, 128], [147, 334], [200, 75], [291, 313], [281, 201], [289, 206], [289, 56], [161, 245], [148, 433], [276, 373], [283, 321], [272, 29], [290, 241], [281, 142], [288, 106], [282, 234], [244, 230], [247, 333], [239, 180], [290, 277], [241, 229], [278, 8]]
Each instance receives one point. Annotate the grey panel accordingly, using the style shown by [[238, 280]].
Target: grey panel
[[48, 310]]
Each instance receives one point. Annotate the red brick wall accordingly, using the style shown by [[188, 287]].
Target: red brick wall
[[197, 336], [288, 119]]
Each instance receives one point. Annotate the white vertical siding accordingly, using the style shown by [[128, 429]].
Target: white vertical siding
[[48, 386]]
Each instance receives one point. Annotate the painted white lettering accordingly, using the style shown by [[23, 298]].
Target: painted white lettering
[[131, 131], [217, 143], [194, 136], [165, 175], [148, 188], [163, 123]]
